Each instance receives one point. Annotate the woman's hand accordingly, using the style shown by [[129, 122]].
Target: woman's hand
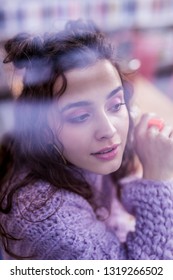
[[154, 147]]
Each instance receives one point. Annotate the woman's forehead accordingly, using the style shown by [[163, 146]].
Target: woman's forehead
[[89, 85], [101, 74]]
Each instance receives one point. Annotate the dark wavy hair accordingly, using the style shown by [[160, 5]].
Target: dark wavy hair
[[45, 59]]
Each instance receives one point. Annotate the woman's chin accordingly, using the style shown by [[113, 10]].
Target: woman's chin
[[105, 170]]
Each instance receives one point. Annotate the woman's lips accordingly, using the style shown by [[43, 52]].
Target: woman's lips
[[107, 153]]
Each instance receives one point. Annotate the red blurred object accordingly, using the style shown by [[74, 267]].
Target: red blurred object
[[155, 122]]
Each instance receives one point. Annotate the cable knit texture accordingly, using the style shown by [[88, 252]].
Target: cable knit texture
[[62, 225]]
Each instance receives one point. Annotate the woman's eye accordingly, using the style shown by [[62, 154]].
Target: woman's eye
[[79, 119], [116, 107]]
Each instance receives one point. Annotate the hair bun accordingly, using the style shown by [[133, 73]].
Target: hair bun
[[22, 49]]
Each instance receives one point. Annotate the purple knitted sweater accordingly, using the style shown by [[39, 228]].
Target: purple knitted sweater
[[66, 227]]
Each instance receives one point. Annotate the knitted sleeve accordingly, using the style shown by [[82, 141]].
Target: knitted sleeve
[[152, 204]]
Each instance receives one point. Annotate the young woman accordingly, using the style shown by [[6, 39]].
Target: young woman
[[64, 163]]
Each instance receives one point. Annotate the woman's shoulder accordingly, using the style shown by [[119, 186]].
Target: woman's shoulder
[[40, 200], [53, 222]]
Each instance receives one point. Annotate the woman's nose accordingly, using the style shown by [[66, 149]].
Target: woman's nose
[[105, 128]]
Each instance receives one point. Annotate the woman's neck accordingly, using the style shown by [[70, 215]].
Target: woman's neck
[[95, 180]]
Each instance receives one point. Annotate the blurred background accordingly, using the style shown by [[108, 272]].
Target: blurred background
[[142, 30]]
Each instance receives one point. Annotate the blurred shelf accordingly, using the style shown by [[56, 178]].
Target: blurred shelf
[[45, 15]]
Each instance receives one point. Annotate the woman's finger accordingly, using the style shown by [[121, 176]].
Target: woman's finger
[[166, 131]]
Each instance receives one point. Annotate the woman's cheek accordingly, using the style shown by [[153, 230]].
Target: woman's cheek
[[70, 137]]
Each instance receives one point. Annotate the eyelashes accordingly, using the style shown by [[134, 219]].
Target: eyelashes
[[85, 116], [116, 107], [79, 119]]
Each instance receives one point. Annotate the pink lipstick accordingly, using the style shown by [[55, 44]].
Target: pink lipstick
[[107, 153]]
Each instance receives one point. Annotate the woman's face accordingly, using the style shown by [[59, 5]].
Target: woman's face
[[92, 118]]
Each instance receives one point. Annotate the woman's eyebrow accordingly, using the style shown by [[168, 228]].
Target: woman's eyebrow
[[113, 92], [76, 104], [88, 103]]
